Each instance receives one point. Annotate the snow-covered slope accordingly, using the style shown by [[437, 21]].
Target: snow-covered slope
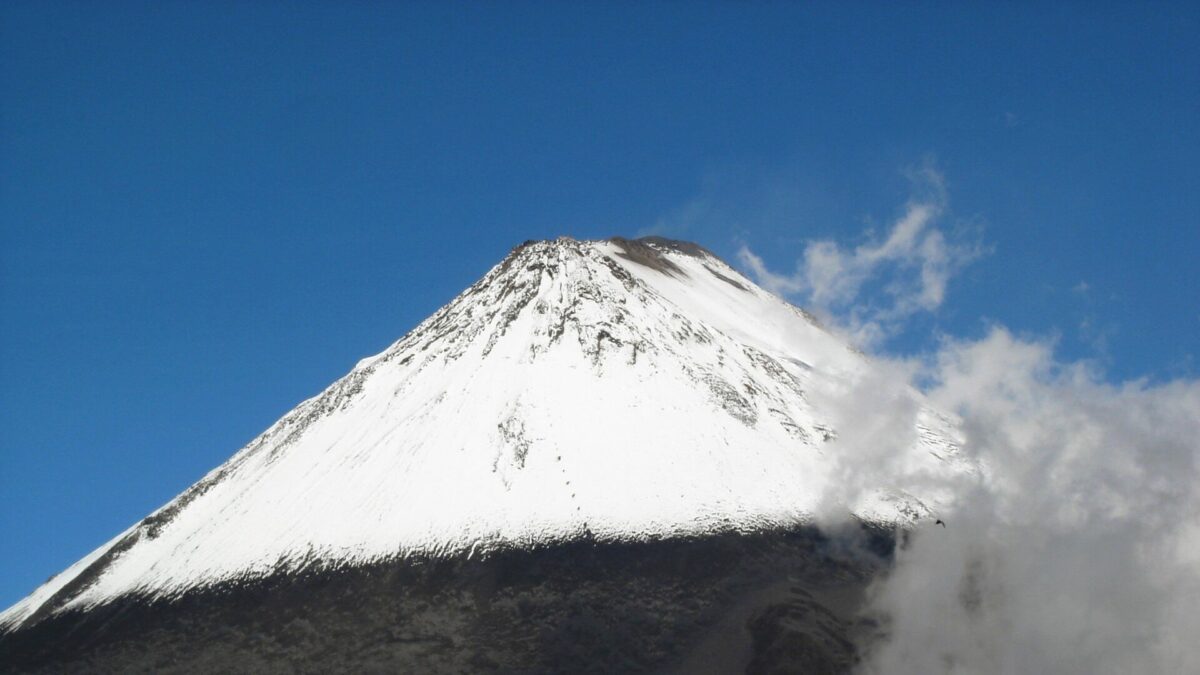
[[609, 389]]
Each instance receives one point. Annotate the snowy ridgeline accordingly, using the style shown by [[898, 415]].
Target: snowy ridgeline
[[617, 390]]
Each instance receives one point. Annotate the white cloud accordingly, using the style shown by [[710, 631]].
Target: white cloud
[[917, 258], [1075, 550]]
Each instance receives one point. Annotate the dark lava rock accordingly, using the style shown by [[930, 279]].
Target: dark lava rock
[[781, 602]]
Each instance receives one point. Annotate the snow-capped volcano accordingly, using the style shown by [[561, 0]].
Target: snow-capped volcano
[[609, 390]]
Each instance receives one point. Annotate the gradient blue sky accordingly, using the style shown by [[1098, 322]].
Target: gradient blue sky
[[209, 211]]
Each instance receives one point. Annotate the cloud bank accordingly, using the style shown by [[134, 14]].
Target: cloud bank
[[1075, 548]]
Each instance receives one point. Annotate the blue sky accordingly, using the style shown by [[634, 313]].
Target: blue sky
[[209, 211]]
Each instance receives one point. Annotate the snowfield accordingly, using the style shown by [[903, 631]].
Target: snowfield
[[615, 390]]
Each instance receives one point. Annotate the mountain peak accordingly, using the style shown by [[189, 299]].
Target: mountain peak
[[611, 390], [653, 252]]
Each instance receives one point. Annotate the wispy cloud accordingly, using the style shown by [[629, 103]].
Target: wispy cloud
[[915, 261], [677, 222]]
